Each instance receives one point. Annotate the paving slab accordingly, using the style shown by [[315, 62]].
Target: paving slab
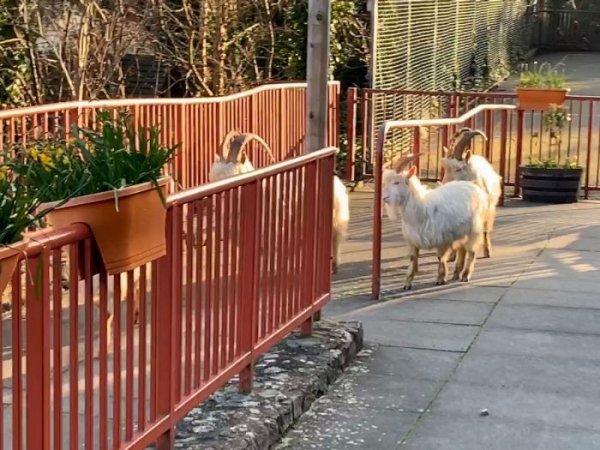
[[434, 336], [547, 297], [547, 318], [406, 363], [559, 283], [521, 405], [464, 293], [538, 375], [473, 432], [542, 344], [394, 393], [349, 427], [351, 415], [441, 311]]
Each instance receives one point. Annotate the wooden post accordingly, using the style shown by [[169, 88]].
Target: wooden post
[[317, 75], [319, 18]]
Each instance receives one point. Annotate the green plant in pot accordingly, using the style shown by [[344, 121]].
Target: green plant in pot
[[541, 85], [552, 180], [112, 175], [19, 212]]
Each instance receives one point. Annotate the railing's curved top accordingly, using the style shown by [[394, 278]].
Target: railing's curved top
[[389, 125], [240, 180], [129, 102], [276, 112], [383, 130]]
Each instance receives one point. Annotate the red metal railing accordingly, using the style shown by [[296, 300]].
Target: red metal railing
[[415, 127], [277, 112], [515, 135], [248, 261]]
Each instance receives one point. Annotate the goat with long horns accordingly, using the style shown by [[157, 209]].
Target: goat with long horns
[[231, 158], [460, 164]]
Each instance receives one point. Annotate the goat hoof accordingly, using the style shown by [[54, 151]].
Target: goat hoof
[[407, 287], [465, 279], [440, 282], [456, 277]]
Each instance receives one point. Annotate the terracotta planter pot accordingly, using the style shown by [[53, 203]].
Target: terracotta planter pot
[[9, 259], [128, 238], [537, 99]]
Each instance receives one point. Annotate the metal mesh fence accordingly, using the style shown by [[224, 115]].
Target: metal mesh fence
[[443, 45]]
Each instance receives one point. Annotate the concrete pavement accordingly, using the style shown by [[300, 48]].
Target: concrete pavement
[[509, 361]]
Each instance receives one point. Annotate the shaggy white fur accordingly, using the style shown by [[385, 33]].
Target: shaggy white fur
[[341, 218], [477, 169], [448, 218]]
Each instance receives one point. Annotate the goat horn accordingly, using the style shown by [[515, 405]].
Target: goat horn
[[463, 143], [402, 163], [241, 141], [225, 147]]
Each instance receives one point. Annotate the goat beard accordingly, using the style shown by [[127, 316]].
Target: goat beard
[[392, 212]]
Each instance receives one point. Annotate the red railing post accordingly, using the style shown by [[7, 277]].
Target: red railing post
[[417, 148], [351, 133], [519, 161], [338, 128], [488, 124], [503, 147], [365, 101], [377, 215], [249, 223], [308, 230], [589, 151], [163, 335], [37, 353]]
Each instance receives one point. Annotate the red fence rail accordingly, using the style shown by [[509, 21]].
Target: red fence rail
[[515, 136], [248, 261], [277, 112]]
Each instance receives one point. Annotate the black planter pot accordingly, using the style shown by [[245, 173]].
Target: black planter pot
[[550, 185]]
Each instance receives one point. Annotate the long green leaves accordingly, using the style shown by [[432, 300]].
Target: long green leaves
[[109, 157]]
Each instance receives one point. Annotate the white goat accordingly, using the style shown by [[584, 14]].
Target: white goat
[[236, 162], [448, 218], [460, 164], [341, 218]]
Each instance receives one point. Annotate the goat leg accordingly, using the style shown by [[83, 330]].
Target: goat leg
[[469, 266], [416, 261], [487, 235], [443, 255], [487, 244], [452, 257], [460, 263], [336, 241], [413, 255]]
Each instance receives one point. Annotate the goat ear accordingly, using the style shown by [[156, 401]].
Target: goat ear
[[467, 156], [217, 158], [411, 172], [243, 157]]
